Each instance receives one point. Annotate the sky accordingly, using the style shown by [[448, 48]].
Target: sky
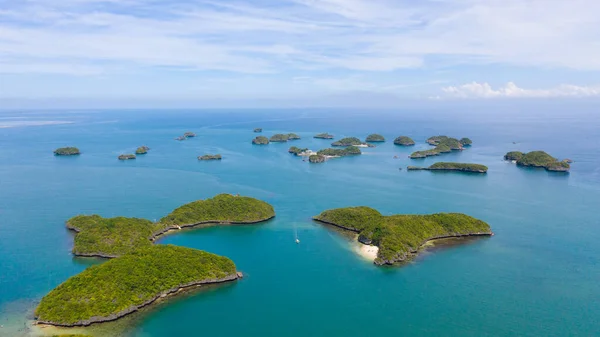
[[301, 51]]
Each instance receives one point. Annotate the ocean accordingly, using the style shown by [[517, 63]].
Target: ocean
[[537, 276]]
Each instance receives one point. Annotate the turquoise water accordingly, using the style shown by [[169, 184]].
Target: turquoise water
[[538, 276]]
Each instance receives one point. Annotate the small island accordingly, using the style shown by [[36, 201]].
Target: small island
[[446, 166], [375, 138], [142, 150], [443, 144], [126, 156], [258, 130], [210, 157], [404, 141], [279, 138], [316, 159], [293, 136], [67, 151], [323, 136], [466, 142], [186, 136], [538, 159], [260, 140], [400, 237], [296, 151], [112, 237], [349, 141], [121, 286], [348, 151]]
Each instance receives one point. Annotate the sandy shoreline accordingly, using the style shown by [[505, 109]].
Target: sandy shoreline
[[367, 252]]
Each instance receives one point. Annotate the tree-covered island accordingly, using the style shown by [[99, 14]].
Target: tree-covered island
[[323, 136], [375, 138], [538, 159], [67, 151], [400, 237], [126, 156], [210, 157], [186, 136], [349, 141], [443, 144], [260, 140], [142, 150], [279, 138], [446, 166], [317, 159], [404, 141], [293, 136], [298, 151], [121, 286]]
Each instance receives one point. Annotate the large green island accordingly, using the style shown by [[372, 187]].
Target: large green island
[[67, 151], [404, 141], [400, 237], [443, 144], [121, 286], [538, 159], [349, 141], [447, 166]]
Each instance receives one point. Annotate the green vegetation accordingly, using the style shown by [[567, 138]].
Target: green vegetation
[[404, 141], [443, 144], [210, 157], [324, 136], [258, 130], [260, 140], [293, 136], [279, 138], [126, 156], [296, 150], [348, 151], [375, 138], [349, 141], [119, 286], [538, 159], [223, 208], [400, 236], [466, 142], [67, 151], [110, 237], [316, 158], [142, 150], [446, 166]]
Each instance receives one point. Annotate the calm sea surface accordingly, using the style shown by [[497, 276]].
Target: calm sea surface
[[538, 276]]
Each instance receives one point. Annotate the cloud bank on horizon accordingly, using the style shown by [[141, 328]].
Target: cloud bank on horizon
[[297, 48]]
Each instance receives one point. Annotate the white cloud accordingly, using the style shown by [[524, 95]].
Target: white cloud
[[511, 90]]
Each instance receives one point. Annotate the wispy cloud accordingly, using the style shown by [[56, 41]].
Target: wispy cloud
[[477, 90]]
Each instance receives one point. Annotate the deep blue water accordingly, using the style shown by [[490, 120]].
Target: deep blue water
[[538, 276]]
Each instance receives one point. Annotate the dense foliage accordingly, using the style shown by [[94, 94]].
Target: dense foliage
[[466, 142], [459, 167], [316, 158], [348, 151], [129, 281], [296, 150], [293, 136], [404, 141], [67, 151], [443, 144], [126, 156], [375, 138], [538, 159], [142, 150], [110, 237], [324, 136], [221, 208], [210, 157], [258, 130], [260, 140], [400, 236], [280, 137], [349, 141]]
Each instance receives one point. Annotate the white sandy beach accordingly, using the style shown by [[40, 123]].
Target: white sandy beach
[[367, 251]]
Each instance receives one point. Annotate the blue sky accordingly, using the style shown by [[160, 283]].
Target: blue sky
[[297, 50]]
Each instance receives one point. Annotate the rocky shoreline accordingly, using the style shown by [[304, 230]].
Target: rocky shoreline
[[416, 168], [132, 309], [209, 222]]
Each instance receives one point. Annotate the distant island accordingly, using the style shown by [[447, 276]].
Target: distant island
[[258, 130], [466, 142], [349, 141], [119, 287], [126, 157], [404, 141], [299, 152], [67, 151], [281, 137], [186, 136], [316, 159], [260, 140], [293, 136], [400, 237], [445, 166], [323, 155], [538, 159], [142, 150], [443, 144], [375, 138], [112, 237], [324, 136], [210, 157]]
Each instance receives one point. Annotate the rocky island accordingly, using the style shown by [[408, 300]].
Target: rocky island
[[282, 137], [466, 142], [293, 136], [445, 166], [322, 155], [111, 290], [400, 237], [186, 136], [210, 157], [142, 150], [375, 138], [349, 141], [258, 130], [260, 140], [538, 159], [404, 141], [443, 144], [67, 151], [317, 159], [126, 156], [324, 136], [299, 152]]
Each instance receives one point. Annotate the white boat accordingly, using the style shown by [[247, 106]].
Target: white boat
[[297, 241]]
